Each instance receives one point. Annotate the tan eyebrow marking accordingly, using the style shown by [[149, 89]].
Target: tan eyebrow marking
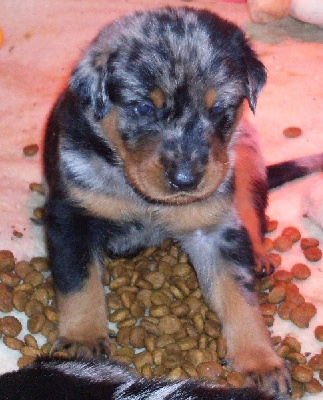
[[210, 98], [157, 97]]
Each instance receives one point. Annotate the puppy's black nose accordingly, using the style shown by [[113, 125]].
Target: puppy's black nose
[[183, 178]]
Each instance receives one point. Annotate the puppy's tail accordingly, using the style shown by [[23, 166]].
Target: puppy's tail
[[287, 171]]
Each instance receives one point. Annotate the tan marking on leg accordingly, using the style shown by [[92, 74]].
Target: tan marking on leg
[[248, 341], [210, 98], [246, 171], [82, 315], [157, 97], [108, 207]]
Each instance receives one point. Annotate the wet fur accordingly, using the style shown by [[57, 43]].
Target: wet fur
[[53, 379], [148, 142]]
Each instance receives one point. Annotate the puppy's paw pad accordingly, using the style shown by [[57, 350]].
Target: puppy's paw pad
[[98, 348], [274, 382]]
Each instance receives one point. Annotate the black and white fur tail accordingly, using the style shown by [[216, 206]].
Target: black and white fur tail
[[287, 171], [60, 379]]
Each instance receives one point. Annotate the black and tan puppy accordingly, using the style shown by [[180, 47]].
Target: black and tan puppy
[[61, 379], [146, 143]]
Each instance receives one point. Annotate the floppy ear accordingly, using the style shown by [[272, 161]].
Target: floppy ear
[[256, 76], [89, 82]]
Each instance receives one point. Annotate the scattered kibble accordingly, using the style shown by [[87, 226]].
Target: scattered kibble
[[30, 150], [292, 131]]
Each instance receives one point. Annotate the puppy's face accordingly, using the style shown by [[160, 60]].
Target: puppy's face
[[167, 87]]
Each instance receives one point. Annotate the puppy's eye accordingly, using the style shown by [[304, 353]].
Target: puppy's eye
[[217, 109], [144, 110]]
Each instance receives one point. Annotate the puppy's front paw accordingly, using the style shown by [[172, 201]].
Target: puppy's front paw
[[98, 348], [263, 265], [274, 382], [266, 371]]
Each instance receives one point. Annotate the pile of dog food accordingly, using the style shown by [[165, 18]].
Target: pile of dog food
[[161, 324]]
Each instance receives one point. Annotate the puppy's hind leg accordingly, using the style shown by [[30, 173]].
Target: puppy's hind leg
[[224, 263], [74, 251]]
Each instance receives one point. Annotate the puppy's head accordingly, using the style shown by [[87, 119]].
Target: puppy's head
[[167, 87]]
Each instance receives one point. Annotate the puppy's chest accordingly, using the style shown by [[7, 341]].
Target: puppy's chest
[[174, 219]]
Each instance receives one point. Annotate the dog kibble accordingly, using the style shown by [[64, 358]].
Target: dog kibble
[[10, 279], [283, 276], [271, 225], [292, 232], [296, 358], [30, 150], [302, 373], [275, 259], [300, 271], [13, 343], [24, 361], [314, 386], [309, 242], [318, 332], [292, 132], [37, 187], [282, 243], [39, 264], [6, 299], [7, 261], [313, 254], [301, 315], [179, 338], [210, 370], [277, 294], [36, 323], [10, 326], [316, 362], [31, 341]]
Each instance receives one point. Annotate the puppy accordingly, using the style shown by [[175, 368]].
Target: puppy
[[148, 142], [53, 379]]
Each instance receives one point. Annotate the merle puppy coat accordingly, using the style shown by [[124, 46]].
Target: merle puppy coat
[[148, 142], [61, 379]]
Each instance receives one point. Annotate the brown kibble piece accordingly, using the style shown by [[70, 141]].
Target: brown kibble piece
[[7, 260], [283, 275], [6, 298], [30, 150], [282, 243], [285, 308], [37, 187], [271, 225], [302, 373], [316, 362], [309, 242], [300, 271], [13, 343], [302, 314], [319, 333], [169, 324], [292, 343], [277, 294], [314, 386], [275, 259], [210, 370], [313, 254], [292, 132], [25, 360], [10, 326], [292, 232]]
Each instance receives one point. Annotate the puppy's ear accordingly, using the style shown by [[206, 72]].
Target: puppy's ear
[[89, 81], [256, 76]]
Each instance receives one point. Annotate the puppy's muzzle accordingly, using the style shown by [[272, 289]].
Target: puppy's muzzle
[[184, 168], [183, 177]]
